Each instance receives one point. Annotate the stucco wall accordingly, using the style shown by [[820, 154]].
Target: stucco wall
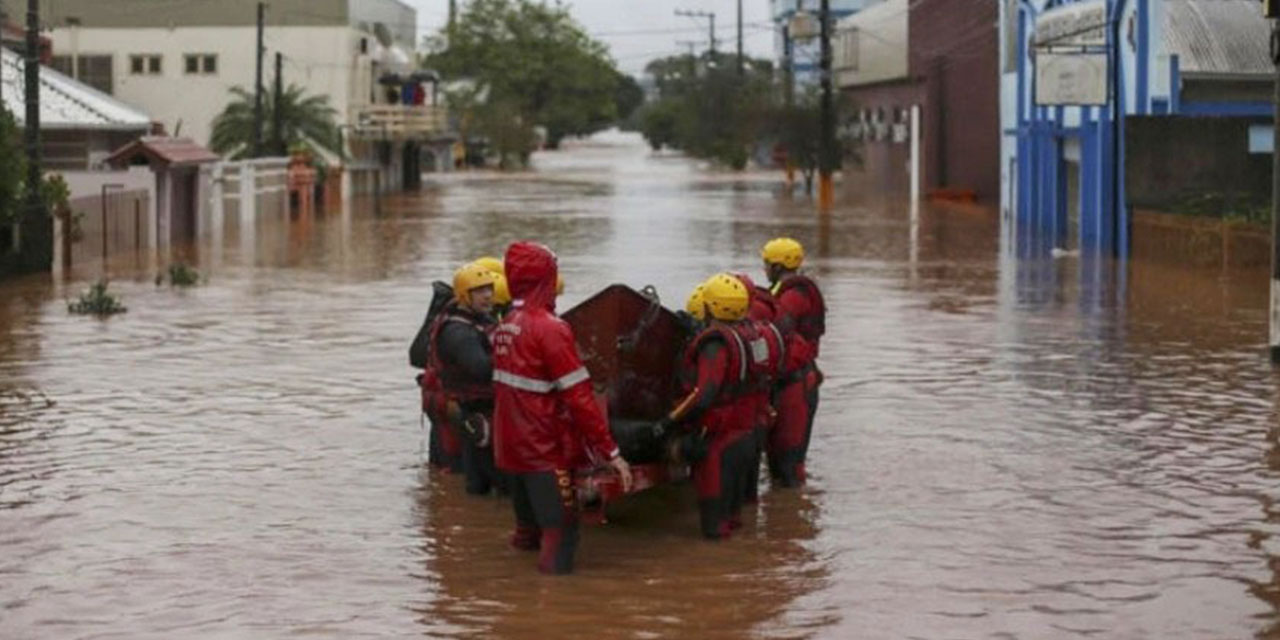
[[323, 60]]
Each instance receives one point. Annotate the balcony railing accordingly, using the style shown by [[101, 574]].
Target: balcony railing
[[399, 121]]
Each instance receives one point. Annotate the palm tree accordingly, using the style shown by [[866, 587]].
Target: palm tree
[[306, 121]]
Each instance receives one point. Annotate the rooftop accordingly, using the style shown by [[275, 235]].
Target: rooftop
[[162, 152], [65, 103], [1218, 37]]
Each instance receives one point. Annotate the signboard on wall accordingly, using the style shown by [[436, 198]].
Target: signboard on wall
[[1071, 78], [1079, 24]]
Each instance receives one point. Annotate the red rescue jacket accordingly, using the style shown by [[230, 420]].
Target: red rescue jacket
[[802, 317], [543, 398], [763, 305]]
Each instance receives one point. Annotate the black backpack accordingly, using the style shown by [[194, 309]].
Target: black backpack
[[420, 350]]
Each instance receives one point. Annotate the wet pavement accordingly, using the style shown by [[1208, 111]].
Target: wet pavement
[[1005, 448]]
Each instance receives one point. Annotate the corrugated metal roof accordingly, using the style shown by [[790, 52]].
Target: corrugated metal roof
[[1218, 37], [65, 103]]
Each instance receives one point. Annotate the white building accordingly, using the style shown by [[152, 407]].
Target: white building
[[179, 61]]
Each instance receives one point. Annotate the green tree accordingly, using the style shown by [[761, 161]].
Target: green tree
[[536, 64], [628, 96], [707, 109], [13, 166], [306, 121]]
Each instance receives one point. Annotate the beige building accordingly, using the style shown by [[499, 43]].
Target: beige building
[[177, 61]]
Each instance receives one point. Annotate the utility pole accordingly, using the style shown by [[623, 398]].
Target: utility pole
[[277, 109], [453, 13], [36, 231], [826, 155], [257, 86], [740, 63], [711, 15], [1275, 187]]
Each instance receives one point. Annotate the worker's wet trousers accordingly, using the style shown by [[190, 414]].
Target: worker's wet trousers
[[788, 446], [721, 481], [546, 507]]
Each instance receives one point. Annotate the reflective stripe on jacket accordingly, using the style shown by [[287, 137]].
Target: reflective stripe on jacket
[[544, 403]]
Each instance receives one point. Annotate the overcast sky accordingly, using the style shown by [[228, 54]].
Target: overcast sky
[[637, 31]]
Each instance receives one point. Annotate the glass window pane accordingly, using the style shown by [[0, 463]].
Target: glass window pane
[[154, 64], [136, 65], [193, 64], [211, 64]]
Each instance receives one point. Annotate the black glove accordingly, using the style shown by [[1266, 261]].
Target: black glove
[[687, 322], [693, 447], [662, 427]]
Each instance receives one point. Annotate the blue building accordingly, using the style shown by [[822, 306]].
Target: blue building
[[1085, 84], [805, 55]]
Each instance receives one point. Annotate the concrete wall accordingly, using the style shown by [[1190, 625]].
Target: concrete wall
[[871, 46], [1170, 157], [323, 60]]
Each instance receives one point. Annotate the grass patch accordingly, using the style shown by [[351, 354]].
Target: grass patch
[[97, 302], [179, 275]]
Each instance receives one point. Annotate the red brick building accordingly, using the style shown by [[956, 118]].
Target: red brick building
[[940, 55]]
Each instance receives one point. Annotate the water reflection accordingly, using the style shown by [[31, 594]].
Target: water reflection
[[648, 572]]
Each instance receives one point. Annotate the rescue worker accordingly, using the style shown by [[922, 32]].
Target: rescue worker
[[761, 313], [718, 368], [546, 411], [801, 317], [463, 357], [444, 448]]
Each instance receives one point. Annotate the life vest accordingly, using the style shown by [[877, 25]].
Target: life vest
[[754, 351], [764, 306], [814, 324], [453, 390]]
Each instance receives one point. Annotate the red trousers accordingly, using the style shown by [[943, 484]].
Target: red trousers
[[788, 445]]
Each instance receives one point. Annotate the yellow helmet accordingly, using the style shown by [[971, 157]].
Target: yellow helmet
[[491, 263], [501, 294], [726, 297], [696, 305], [471, 276], [783, 251], [559, 284]]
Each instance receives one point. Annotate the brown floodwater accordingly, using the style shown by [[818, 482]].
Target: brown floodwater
[[1005, 447]]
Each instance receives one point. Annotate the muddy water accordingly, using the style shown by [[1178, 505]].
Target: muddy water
[[1005, 448]]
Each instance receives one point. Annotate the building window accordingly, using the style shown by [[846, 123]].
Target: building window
[[93, 70], [200, 64], [148, 65]]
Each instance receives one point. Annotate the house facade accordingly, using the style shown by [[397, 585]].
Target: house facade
[[79, 126], [178, 62], [1110, 104]]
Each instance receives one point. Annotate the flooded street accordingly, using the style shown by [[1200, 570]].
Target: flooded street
[[1004, 448]]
